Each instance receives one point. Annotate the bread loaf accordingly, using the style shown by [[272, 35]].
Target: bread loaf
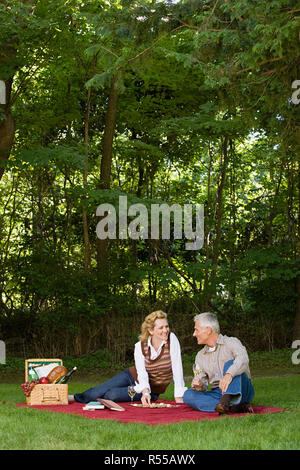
[[56, 374]]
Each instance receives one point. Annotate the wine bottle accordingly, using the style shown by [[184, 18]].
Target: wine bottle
[[66, 377]]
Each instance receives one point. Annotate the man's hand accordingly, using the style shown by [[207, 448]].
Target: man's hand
[[224, 382], [197, 384]]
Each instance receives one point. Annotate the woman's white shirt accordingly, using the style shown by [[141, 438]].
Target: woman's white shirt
[[175, 353]]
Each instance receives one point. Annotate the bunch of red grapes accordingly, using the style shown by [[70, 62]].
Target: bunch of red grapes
[[28, 386]]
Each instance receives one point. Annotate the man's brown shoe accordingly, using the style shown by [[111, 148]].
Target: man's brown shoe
[[242, 408], [222, 409]]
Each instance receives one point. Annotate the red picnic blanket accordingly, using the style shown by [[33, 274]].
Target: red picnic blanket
[[153, 416]]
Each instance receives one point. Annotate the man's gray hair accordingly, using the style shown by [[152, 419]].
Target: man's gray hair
[[208, 319]]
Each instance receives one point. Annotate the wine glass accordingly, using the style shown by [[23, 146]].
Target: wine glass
[[196, 369], [131, 392]]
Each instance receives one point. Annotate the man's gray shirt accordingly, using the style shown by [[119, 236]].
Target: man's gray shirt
[[211, 361]]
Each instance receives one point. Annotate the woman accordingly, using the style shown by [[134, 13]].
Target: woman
[[157, 361]]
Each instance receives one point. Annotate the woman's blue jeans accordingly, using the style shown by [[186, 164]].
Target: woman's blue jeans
[[115, 389], [240, 386]]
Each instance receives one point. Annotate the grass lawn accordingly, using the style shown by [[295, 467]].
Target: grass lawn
[[30, 429]]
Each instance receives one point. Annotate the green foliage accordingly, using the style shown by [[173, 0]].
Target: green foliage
[[273, 297], [55, 156], [99, 360], [204, 116]]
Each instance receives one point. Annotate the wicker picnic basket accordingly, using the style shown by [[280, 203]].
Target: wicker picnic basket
[[46, 394]]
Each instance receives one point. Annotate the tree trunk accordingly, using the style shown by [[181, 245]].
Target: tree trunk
[[11, 63], [87, 257], [108, 136], [233, 217], [105, 172], [296, 329], [7, 128], [207, 226], [218, 216]]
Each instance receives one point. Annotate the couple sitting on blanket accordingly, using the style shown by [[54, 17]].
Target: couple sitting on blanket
[[223, 363]]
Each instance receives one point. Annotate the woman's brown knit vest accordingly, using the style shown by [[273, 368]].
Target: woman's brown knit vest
[[159, 370]]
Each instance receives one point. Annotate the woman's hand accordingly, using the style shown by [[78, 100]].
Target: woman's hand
[[146, 398], [179, 399]]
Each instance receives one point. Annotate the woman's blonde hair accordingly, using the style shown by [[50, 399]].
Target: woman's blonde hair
[[149, 322]]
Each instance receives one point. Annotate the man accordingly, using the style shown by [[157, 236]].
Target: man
[[224, 364]]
